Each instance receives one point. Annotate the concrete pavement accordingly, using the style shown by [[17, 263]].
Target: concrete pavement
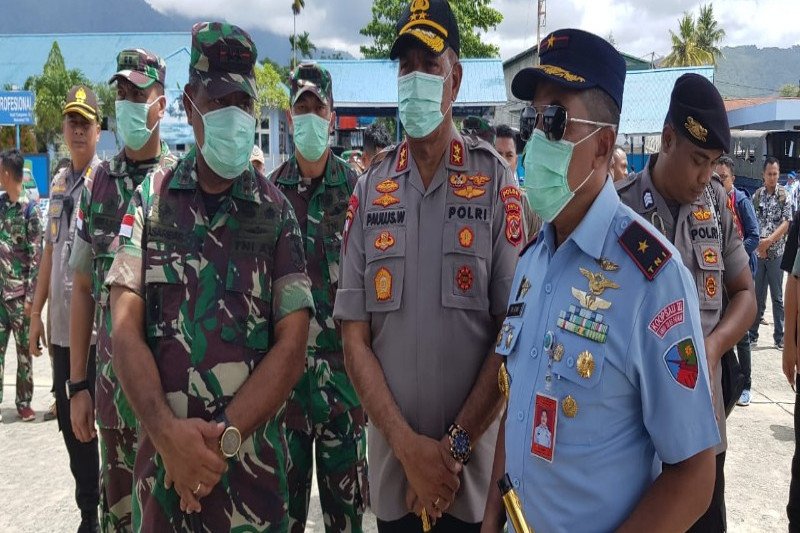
[[36, 488]]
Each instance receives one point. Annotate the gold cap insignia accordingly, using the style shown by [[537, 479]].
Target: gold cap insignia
[[559, 72], [696, 129], [80, 96]]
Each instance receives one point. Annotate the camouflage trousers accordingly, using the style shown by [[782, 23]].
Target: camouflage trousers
[[339, 444], [117, 455], [12, 318]]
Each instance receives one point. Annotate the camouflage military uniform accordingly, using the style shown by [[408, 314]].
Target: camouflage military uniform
[[213, 290], [104, 201], [20, 252], [324, 408]]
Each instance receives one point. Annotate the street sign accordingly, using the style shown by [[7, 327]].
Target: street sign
[[16, 108]]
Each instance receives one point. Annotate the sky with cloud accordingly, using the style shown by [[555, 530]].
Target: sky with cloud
[[639, 27]]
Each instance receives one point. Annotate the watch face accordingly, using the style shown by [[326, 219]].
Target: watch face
[[461, 442], [230, 442]]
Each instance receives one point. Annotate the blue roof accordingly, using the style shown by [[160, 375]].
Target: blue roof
[[646, 100], [364, 83], [94, 54]]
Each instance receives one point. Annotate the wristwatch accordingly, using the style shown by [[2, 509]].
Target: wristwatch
[[460, 446], [74, 388], [231, 439]]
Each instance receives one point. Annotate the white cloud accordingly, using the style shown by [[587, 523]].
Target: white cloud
[[639, 27]]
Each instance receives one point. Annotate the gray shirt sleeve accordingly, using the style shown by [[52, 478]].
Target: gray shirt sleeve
[[351, 295], [505, 249]]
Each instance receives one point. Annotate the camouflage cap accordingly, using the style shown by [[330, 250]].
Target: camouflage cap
[[311, 77], [140, 67], [223, 58], [82, 100]]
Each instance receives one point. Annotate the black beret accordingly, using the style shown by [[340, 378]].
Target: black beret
[[697, 112]]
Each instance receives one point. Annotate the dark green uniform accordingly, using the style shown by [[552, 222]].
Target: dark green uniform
[[324, 412]]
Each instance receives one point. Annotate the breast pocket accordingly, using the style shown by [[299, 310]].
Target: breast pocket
[[165, 291], [465, 271], [383, 278], [578, 376], [709, 275], [245, 316]]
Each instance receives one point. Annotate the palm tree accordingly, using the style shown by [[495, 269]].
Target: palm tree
[[685, 50], [297, 6], [709, 34]]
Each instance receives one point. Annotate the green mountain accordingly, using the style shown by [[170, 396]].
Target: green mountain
[[748, 71]]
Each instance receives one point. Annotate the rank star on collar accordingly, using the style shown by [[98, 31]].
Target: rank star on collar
[[643, 246]]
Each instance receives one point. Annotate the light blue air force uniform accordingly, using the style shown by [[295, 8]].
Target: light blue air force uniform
[[642, 398]]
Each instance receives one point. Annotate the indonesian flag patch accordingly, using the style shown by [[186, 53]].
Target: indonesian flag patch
[[126, 229]]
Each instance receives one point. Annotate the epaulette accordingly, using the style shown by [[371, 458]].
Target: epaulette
[[645, 249]]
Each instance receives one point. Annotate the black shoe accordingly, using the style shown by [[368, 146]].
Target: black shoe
[[89, 523], [779, 345]]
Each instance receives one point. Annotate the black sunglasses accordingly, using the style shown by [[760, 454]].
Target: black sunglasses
[[554, 122]]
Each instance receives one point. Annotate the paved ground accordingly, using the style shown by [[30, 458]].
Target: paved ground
[[36, 488]]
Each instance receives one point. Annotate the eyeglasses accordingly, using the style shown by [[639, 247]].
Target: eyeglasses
[[554, 122]]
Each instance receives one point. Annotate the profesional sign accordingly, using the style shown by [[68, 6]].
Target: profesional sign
[[16, 108]]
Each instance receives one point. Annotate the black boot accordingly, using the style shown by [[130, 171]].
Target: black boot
[[89, 522]]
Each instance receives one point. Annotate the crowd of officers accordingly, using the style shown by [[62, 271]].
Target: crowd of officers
[[222, 334]]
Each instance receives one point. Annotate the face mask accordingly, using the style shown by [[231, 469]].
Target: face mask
[[132, 123], [420, 102], [310, 135], [546, 164], [229, 135]]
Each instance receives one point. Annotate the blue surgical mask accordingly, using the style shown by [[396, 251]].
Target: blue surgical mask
[[132, 122], [546, 165], [420, 102], [311, 135], [229, 134]]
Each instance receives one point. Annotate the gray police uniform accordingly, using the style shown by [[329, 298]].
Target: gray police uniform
[[429, 269], [712, 258], [65, 194]]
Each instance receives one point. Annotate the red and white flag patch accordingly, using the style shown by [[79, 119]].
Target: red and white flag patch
[[79, 219], [666, 319], [126, 229]]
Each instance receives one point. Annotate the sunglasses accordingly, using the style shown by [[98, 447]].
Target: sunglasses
[[554, 120]]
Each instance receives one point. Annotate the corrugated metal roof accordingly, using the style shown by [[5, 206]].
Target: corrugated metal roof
[[646, 100], [373, 83], [95, 54]]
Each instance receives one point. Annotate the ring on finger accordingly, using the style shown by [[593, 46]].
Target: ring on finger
[[195, 491]]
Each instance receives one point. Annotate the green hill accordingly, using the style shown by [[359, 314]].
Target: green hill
[[747, 71]]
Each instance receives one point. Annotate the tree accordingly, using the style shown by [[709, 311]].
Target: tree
[[272, 93], [106, 96], [27, 139], [473, 17], [790, 91], [51, 89], [709, 33], [685, 50], [302, 43], [297, 6]]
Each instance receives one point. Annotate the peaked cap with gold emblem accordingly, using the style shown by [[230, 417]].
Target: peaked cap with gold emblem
[[430, 23], [82, 100], [697, 112], [577, 60]]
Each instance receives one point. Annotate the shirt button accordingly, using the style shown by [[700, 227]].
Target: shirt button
[[570, 362], [520, 415], [515, 481], [548, 288], [534, 353]]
